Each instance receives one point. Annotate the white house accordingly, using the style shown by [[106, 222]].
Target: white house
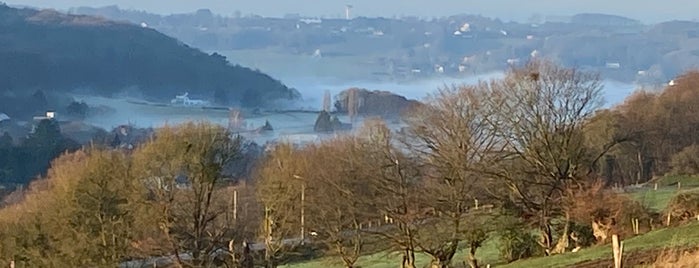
[[4, 117], [184, 100], [49, 115]]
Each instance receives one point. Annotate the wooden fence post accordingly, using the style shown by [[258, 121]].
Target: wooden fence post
[[634, 226], [617, 250]]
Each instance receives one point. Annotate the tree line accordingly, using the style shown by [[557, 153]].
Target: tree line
[[530, 155]]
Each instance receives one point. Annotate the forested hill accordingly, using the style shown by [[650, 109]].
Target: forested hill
[[50, 51]]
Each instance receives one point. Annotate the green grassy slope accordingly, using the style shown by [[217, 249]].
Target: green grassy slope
[[687, 235]]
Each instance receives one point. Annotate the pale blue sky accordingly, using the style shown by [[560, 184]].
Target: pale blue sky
[[645, 10]]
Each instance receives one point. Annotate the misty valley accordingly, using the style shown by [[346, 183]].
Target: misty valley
[[135, 139]]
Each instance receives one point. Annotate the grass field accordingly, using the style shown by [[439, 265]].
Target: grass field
[[667, 189], [663, 238], [669, 238]]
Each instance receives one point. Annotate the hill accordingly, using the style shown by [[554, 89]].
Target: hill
[[50, 51]]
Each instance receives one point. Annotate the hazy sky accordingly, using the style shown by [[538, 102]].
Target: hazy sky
[[645, 10]]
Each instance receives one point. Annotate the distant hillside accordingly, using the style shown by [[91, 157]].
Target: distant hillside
[[50, 51]]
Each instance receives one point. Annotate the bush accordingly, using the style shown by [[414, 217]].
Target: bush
[[581, 235], [686, 162], [683, 207], [516, 241], [609, 212]]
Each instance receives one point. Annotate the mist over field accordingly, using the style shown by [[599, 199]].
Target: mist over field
[[312, 90], [306, 133]]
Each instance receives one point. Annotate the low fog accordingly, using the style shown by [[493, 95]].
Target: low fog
[[296, 125]]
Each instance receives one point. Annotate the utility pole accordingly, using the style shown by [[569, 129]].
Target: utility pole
[[303, 208], [268, 234], [303, 211], [235, 205]]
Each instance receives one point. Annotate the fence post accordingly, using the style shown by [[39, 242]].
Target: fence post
[[617, 250]]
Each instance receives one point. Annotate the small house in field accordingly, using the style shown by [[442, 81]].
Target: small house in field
[[50, 115]]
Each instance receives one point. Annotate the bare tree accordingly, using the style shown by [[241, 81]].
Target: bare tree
[[182, 169], [337, 202], [394, 189], [457, 145], [280, 185], [542, 109]]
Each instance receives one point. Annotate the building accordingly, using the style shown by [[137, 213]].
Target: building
[[184, 100], [4, 117], [50, 114]]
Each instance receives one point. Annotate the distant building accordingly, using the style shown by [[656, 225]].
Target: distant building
[[50, 114], [613, 65], [184, 100], [4, 117], [311, 21], [439, 68], [299, 139], [465, 28]]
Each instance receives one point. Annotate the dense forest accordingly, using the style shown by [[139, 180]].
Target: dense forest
[[50, 51], [531, 160]]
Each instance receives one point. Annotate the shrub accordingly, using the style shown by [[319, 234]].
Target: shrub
[[686, 162], [581, 235], [606, 211], [683, 207], [516, 241]]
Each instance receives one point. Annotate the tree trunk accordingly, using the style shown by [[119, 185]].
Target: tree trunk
[[546, 238], [563, 242], [472, 261], [442, 257], [437, 263], [408, 258], [640, 167]]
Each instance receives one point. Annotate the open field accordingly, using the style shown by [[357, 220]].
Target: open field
[[667, 188], [663, 239], [687, 235], [653, 242]]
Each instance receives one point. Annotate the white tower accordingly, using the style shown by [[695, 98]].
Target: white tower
[[348, 8]]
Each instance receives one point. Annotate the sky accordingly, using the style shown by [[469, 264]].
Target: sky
[[645, 10]]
